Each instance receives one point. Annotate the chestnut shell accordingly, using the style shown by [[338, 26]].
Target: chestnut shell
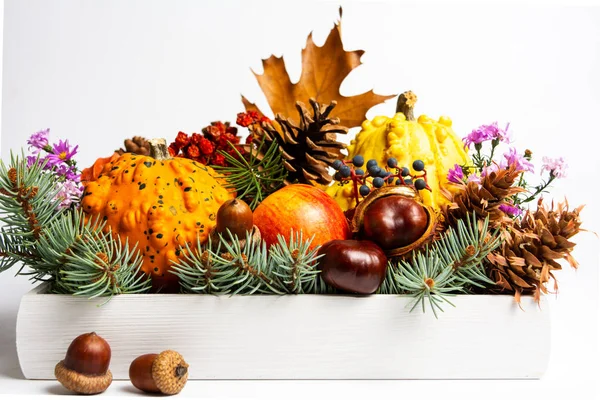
[[406, 191]]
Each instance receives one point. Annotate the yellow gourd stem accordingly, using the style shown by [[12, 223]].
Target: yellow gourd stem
[[406, 105]]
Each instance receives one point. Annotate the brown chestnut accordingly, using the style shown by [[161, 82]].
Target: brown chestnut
[[355, 266], [85, 367], [235, 215], [394, 221], [165, 373]]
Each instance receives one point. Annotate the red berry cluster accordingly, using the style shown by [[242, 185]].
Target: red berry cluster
[[251, 120], [205, 147]]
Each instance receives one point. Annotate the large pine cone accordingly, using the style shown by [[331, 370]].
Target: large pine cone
[[308, 148], [533, 246]]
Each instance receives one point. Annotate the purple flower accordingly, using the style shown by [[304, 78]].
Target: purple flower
[[510, 209], [69, 172], [69, 193], [487, 132], [456, 174], [61, 153], [556, 166], [39, 140], [522, 164]]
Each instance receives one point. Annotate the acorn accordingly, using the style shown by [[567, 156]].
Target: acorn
[[235, 216], [395, 219], [85, 367], [165, 373]]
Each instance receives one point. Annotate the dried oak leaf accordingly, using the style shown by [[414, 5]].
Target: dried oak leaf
[[323, 71]]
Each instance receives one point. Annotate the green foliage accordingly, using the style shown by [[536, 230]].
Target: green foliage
[[256, 174], [57, 245], [235, 267], [453, 264]]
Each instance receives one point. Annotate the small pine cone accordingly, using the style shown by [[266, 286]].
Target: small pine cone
[[136, 145], [484, 199]]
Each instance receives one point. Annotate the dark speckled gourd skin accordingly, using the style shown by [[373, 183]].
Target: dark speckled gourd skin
[[161, 205]]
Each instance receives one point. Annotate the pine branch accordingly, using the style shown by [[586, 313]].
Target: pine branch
[[85, 260], [233, 268], [450, 265], [465, 248], [76, 257], [27, 203], [426, 277], [254, 176], [294, 264]]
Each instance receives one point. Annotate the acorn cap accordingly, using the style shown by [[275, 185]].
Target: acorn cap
[[79, 383], [170, 372], [408, 192]]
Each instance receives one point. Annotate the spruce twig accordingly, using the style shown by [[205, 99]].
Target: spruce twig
[[288, 267], [57, 245], [294, 263], [453, 264], [254, 176]]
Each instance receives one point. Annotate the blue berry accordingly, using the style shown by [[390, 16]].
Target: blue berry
[[392, 162], [418, 165], [408, 181], [359, 171], [383, 173], [398, 182], [378, 182], [420, 184], [374, 170], [405, 171], [371, 163], [337, 164], [390, 179], [345, 171], [364, 190], [337, 176], [358, 161]]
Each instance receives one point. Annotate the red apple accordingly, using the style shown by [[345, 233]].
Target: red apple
[[356, 266], [301, 208]]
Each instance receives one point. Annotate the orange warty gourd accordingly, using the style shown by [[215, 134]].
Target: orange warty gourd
[[160, 203]]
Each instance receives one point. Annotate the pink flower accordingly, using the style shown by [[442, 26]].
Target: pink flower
[[510, 209], [556, 166], [474, 178], [39, 140], [456, 174], [490, 168], [61, 153], [522, 164], [70, 192], [487, 132]]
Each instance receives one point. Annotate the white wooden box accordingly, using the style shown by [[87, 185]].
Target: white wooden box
[[294, 337]]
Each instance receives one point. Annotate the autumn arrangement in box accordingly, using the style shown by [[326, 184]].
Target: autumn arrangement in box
[[408, 208]]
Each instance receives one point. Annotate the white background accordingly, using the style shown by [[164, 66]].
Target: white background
[[96, 72]]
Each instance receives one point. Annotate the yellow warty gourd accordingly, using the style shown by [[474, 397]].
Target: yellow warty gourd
[[406, 139]]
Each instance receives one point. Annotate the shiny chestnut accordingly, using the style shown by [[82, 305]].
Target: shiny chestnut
[[355, 266], [394, 221]]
